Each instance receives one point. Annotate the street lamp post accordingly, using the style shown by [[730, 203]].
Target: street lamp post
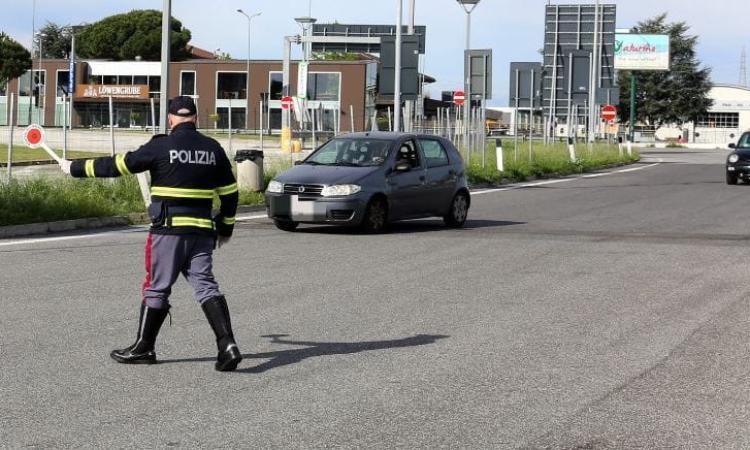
[[468, 6], [247, 93]]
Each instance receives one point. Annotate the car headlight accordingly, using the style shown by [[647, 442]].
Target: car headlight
[[340, 190], [275, 187], [733, 158]]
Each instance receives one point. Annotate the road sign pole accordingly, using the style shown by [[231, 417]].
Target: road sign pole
[[633, 106]]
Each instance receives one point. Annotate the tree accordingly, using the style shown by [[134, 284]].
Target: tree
[[14, 59], [55, 41], [125, 36], [674, 97]]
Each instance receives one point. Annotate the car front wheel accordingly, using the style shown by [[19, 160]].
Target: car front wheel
[[285, 225], [456, 218], [376, 216], [731, 178]]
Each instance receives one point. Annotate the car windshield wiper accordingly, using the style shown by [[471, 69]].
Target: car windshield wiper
[[314, 163], [346, 164]]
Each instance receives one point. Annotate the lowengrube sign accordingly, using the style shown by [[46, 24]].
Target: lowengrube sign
[[137, 91], [642, 52]]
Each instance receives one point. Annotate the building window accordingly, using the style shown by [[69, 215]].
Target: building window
[[231, 85], [323, 86], [154, 84], [719, 120], [187, 83], [238, 118], [3, 90], [276, 85], [125, 80], [110, 79], [62, 83], [140, 79], [24, 90]]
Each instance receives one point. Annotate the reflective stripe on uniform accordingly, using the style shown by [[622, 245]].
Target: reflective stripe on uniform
[[182, 192], [89, 168], [226, 190], [121, 166], [181, 221], [229, 220]]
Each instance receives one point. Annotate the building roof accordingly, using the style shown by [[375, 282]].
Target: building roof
[[731, 86]]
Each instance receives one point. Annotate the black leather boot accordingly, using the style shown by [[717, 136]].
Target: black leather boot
[[142, 351], [217, 313]]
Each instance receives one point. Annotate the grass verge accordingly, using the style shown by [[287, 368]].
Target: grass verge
[[48, 200], [543, 161], [23, 154]]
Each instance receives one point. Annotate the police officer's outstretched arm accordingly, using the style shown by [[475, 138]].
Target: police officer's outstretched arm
[[229, 197], [127, 164]]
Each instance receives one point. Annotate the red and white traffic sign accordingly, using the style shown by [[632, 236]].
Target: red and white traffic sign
[[287, 102], [609, 113], [459, 97], [33, 136]]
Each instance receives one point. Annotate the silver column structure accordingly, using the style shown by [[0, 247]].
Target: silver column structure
[[166, 19], [397, 71]]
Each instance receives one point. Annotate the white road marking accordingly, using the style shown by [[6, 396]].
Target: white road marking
[[514, 187], [247, 217], [251, 217], [135, 229]]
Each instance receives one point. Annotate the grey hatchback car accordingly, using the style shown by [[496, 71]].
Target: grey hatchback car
[[371, 179]]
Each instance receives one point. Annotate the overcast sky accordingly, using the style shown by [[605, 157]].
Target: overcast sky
[[513, 29]]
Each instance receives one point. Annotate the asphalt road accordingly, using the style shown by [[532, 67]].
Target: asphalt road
[[609, 311]]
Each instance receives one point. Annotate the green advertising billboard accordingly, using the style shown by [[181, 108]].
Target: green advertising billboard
[[642, 52]]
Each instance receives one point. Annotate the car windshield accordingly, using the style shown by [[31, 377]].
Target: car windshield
[[744, 141], [353, 152]]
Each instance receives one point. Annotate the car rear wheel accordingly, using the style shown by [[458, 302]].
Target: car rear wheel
[[376, 217], [286, 225], [731, 179], [456, 218]]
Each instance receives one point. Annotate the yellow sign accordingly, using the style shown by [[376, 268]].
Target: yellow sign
[[137, 91]]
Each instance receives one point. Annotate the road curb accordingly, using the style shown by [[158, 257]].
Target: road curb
[[62, 226]]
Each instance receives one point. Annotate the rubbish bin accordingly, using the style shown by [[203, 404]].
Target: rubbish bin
[[250, 169]]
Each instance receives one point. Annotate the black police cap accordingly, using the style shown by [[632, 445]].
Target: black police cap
[[182, 106]]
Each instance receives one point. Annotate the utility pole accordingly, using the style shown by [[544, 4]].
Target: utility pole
[[165, 57], [468, 6]]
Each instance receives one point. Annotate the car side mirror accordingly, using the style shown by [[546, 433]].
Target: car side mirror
[[297, 163], [402, 167], [732, 145]]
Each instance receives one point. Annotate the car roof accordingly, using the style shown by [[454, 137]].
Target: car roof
[[384, 135]]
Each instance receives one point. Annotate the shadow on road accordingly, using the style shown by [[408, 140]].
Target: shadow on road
[[315, 349], [417, 226]]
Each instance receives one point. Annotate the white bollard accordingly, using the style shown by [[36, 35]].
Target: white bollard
[[571, 149], [619, 145], [630, 147], [499, 155]]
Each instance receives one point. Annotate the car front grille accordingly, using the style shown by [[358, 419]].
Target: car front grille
[[308, 190]]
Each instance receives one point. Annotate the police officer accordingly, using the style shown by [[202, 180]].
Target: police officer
[[187, 170]]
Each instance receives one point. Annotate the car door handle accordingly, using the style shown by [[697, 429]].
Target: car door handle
[[422, 178]]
